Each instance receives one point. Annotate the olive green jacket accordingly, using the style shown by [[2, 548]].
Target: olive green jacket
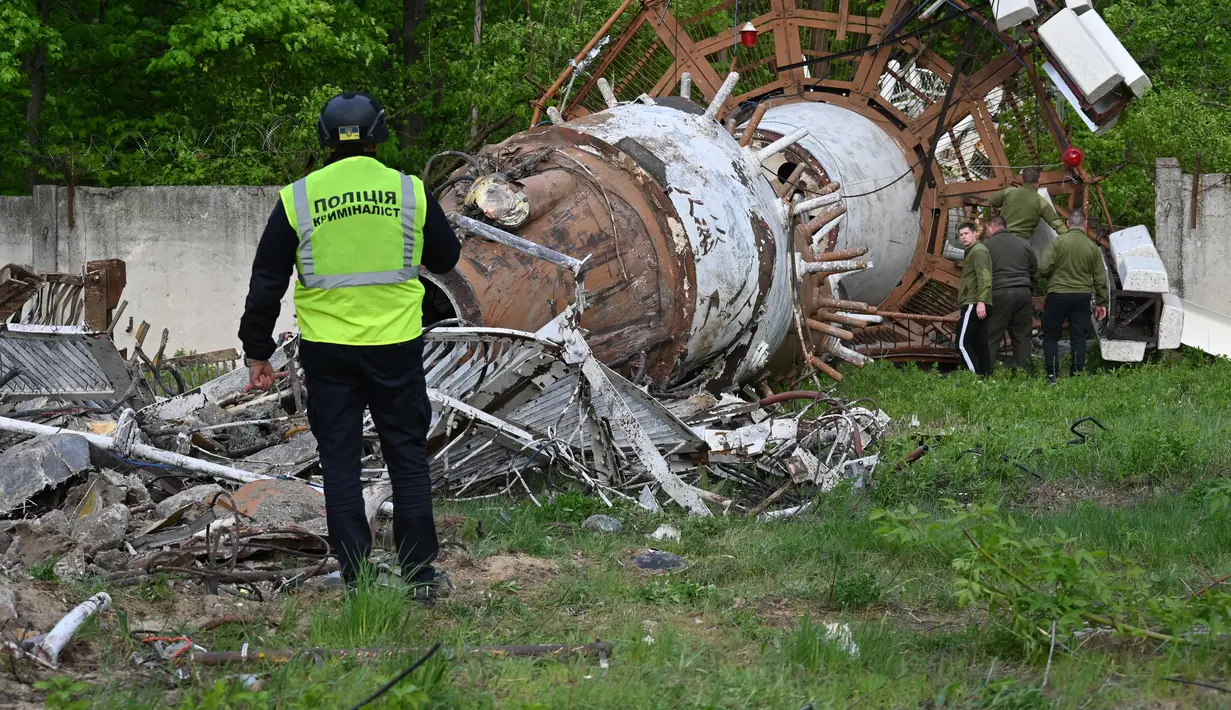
[[976, 286], [1073, 263], [1022, 208]]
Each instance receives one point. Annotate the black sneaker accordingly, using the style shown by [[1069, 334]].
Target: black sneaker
[[427, 588], [1051, 379]]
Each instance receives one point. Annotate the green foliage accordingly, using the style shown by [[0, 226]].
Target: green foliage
[[63, 693], [1031, 581], [1185, 49], [857, 590], [671, 590], [227, 694], [45, 571]]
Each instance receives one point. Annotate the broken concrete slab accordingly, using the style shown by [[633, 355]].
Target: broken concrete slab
[[278, 503], [38, 464], [102, 530], [199, 496], [602, 523], [112, 560]]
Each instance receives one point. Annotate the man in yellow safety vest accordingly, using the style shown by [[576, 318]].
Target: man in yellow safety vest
[[358, 232]]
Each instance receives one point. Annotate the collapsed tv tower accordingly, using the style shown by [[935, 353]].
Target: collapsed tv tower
[[728, 210]]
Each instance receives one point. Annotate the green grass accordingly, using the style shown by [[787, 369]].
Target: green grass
[[744, 626]]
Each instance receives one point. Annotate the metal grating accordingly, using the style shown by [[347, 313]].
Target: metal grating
[[65, 363]]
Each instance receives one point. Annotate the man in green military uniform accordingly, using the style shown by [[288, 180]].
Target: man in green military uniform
[[358, 232], [1074, 269], [974, 296], [1023, 207], [1014, 266]]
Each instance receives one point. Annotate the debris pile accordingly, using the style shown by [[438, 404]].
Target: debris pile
[[133, 468]]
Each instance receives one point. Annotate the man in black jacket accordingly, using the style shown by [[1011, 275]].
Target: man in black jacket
[[357, 232]]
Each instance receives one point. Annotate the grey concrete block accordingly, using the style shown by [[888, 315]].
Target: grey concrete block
[[1142, 273], [1011, 13], [103, 530], [1081, 57], [1124, 63], [1134, 241], [197, 495], [38, 464], [1122, 350], [1171, 324]]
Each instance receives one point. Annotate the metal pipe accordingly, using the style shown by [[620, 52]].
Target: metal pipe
[[221, 658], [781, 144], [831, 317], [825, 368], [525, 246], [892, 315], [609, 96], [857, 306], [841, 254], [814, 202], [830, 267], [686, 85], [141, 451], [720, 98], [828, 329], [841, 351], [753, 122], [572, 67], [48, 649], [861, 317], [816, 223]]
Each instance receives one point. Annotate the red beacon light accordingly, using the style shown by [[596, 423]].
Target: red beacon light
[[748, 35], [1073, 157]]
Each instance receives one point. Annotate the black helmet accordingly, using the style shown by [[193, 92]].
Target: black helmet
[[352, 118]]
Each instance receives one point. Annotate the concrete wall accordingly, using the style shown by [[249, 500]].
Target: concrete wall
[[1197, 260], [188, 249]]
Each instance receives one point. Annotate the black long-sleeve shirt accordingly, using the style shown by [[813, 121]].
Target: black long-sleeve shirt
[[274, 265]]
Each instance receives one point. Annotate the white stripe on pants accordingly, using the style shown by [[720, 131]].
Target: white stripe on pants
[[968, 312]]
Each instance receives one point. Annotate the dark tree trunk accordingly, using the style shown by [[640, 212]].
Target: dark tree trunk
[[37, 65], [413, 12]]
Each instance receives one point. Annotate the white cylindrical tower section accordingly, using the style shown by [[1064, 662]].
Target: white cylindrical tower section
[[877, 190], [730, 225]]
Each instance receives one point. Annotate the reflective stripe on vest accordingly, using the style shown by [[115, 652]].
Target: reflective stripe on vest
[[303, 216]]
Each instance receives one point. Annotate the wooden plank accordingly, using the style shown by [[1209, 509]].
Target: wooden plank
[[844, 14]]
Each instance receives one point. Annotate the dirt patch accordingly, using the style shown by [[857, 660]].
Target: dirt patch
[[1057, 495], [38, 607], [485, 571]]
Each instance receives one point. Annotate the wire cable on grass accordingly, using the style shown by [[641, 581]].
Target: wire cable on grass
[[389, 686]]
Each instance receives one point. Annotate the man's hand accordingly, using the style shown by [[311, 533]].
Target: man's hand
[[260, 374], [981, 310], [1100, 312]]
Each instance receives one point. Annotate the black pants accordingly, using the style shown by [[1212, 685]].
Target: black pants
[[388, 379], [1058, 308], [972, 341], [1013, 311]]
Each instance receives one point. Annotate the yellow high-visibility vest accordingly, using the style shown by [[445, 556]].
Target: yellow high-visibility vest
[[360, 227]]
